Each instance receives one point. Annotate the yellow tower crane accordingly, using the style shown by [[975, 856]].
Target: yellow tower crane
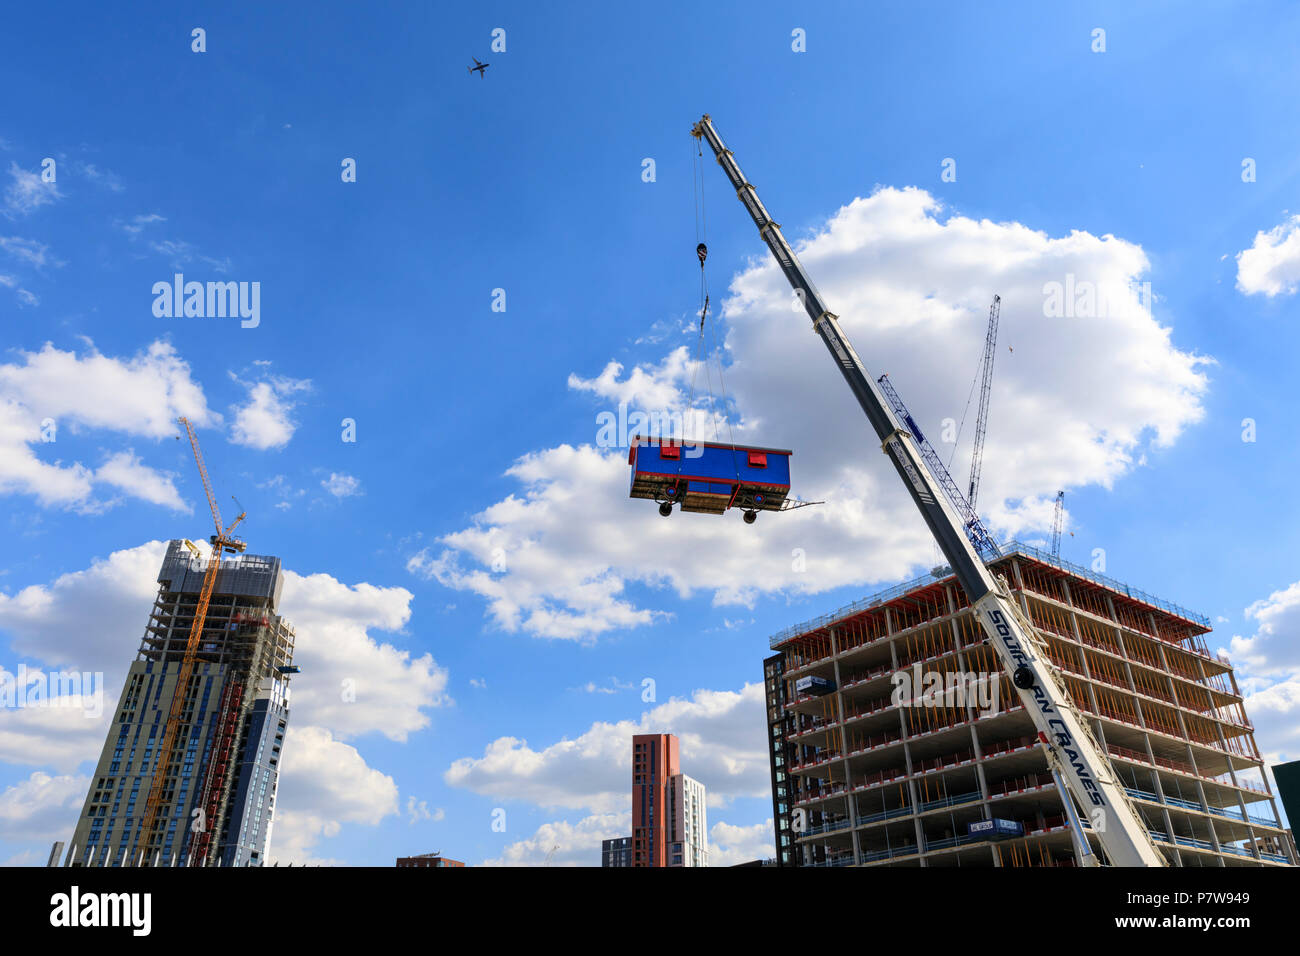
[[222, 543]]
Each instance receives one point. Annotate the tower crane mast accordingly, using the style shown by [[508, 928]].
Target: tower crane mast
[[979, 536], [1088, 774], [1058, 520], [986, 390], [222, 542]]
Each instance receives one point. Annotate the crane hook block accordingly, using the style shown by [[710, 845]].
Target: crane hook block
[[703, 252]]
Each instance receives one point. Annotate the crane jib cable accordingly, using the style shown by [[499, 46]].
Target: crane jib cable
[[701, 360]]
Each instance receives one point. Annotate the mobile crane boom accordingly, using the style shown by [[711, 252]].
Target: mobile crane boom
[[1086, 769]]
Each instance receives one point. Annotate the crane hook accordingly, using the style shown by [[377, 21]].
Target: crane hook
[[703, 252]]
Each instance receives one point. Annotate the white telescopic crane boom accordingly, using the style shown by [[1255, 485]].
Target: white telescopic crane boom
[[1087, 771]]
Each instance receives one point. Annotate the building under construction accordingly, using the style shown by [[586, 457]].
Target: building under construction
[[218, 798], [863, 774]]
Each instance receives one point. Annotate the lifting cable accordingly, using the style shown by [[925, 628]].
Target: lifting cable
[[965, 411], [701, 361], [956, 442]]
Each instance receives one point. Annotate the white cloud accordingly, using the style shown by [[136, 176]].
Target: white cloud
[[615, 686], [27, 192], [1275, 646], [41, 807], [417, 810], [62, 738], [27, 250], [648, 388], [181, 254], [140, 396], [558, 580], [280, 487], [722, 742], [1271, 266], [578, 844], [341, 486], [556, 558], [138, 223], [104, 177], [729, 845], [178, 252], [25, 297], [1268, 671], [88, 620], [266, 419], [355, 684], [124, 470], [566, 844], [1275, 713], [665, 329], [324, 784]]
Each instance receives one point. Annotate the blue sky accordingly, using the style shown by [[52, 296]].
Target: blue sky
[[376, 305]]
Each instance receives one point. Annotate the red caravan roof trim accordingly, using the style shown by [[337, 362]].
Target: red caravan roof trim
[[674, 443]]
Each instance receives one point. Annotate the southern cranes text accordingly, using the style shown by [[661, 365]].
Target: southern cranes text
[[1087, 771]]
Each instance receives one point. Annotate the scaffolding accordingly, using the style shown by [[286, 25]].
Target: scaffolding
[[874, 780]]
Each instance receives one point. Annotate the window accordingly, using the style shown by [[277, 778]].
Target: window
[[757, 459]]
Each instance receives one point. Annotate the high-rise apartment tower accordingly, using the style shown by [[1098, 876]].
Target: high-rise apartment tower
[[219, 798], [669, 822]]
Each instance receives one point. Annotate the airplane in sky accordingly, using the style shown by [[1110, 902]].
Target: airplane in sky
[[480, 67]]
